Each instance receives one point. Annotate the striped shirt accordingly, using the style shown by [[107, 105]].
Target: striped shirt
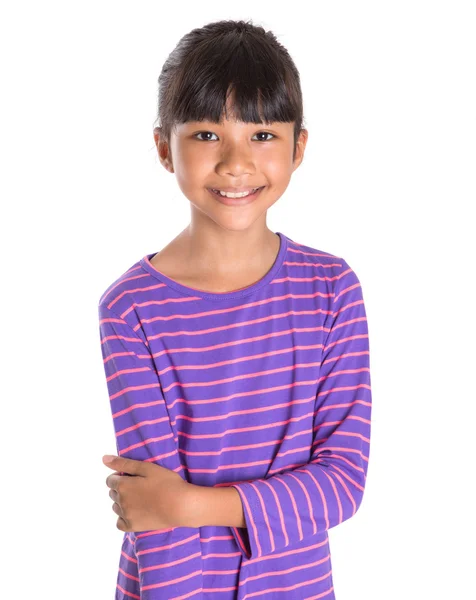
[[266, 389]]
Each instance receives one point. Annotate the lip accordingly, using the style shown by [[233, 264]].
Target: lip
[[238, 189], [236, 201]]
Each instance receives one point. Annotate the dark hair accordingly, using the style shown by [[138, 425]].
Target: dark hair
[[229, 57]]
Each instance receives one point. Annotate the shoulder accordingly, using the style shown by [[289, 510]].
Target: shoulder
[[332, 272], [119, 294], [331, 264]]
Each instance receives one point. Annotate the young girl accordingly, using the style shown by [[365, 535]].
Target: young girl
[[237, 359]]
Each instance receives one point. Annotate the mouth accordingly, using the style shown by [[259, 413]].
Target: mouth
[[236, 201]]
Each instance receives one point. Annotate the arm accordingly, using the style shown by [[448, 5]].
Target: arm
[[214, 506], [140, 417], [294, 505]]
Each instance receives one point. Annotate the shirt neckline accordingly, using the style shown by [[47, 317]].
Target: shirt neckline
[[189, 291]]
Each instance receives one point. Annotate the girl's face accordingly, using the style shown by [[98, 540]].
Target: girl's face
[[234, 154]]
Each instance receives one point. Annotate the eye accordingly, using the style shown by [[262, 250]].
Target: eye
[[201, 132], [211, 133], [265, 133]]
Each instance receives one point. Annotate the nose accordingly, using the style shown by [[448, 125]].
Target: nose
[[236, 160]]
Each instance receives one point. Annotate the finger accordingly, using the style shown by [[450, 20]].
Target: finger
[[113, 495], [122, 525], [122, 522], [117, 509], [129, 466], [112, 480]]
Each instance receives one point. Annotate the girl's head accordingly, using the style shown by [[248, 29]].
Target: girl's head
[[230, 116]]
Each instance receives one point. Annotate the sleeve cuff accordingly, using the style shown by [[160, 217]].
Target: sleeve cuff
[[248, 538]]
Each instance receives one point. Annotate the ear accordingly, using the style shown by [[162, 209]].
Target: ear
[[163, 150], [300, 148]]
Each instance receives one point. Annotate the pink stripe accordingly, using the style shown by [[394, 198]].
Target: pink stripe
[[121, 281], [321, 493], [128, 594], [235, 343], [244, 500], [309, 503], [239, 377], [232, 309], [282, 520], [282, 479]]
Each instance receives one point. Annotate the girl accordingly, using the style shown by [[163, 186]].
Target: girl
[[237, 359]]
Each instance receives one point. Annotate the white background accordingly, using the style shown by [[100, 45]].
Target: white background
[[387, 182]]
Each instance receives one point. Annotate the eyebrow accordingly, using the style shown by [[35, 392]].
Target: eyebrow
[[207, 122]]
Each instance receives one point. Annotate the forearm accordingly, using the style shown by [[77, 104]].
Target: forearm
[[213, 506]]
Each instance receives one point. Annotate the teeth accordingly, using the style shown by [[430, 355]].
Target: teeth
[[237, 195]]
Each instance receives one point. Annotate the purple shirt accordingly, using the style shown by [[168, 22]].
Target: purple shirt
[[266, 388]]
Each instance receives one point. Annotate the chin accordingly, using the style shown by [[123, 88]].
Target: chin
[[235, 222]]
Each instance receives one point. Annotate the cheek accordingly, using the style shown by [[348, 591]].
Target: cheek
[[189, 176], [280, 167], [193, 169]]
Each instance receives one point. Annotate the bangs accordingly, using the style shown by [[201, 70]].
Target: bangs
[[242, 68]]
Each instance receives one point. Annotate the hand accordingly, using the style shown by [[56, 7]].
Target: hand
[[154, 498]]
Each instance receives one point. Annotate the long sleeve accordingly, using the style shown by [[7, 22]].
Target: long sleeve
[[294, 505], [141, 420]]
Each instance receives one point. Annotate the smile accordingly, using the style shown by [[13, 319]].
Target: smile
[[236, 201]]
